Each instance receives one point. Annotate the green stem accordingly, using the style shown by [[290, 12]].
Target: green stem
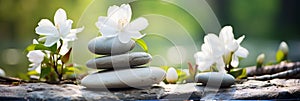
[[55, 67], [61, 71]]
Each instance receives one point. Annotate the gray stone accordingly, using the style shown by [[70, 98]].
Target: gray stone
[[252, 89], [109, 46], [123, 61], [136, 78], [215, 79]]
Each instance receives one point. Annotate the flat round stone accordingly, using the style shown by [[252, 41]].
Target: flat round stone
[[120, 61], [215, 79], [109, 46], [135, 78]]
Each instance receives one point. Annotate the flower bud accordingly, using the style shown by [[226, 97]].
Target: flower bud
[[284, 48], [260, 60], [2, 73], [172, 75]]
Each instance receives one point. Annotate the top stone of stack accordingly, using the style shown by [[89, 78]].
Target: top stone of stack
[[109, 46]]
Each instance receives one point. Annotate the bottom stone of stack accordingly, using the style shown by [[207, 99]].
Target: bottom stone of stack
[[127, 78]]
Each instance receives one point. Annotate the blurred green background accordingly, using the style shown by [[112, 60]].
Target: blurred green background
[[175, 32]]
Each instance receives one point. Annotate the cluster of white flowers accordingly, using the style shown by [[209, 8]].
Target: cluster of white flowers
[[220, 51], [117, 23], [52, 34]]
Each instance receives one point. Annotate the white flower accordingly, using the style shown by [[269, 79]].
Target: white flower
[[171, 75], [233, 50], [117, 23], [61, 29], [211, 53], [36, 57]]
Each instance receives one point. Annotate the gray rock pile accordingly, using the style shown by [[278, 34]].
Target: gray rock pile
[[120, 68]]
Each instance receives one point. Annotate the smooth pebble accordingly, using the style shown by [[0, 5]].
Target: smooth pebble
[[109, 46], [215, 79], [135, 78], [120, 61]]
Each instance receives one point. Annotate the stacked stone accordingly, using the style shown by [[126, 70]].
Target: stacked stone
[[119, 68]]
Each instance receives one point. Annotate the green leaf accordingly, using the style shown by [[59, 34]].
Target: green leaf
[[45, 71], [40, 47], [30, 47], [36, 47], [279, 56], [23, 76], [66, 57], [238, 73], [53, 48], [142, 44], [180, 73], [164, 68], [244, 74], [70, 70], [32, 73]]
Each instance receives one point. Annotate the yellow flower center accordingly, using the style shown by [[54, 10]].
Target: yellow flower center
[[122, 22]]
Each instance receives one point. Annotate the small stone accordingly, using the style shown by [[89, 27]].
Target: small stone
[[120, 61], [215, 79], [138, 77], [109, 46]]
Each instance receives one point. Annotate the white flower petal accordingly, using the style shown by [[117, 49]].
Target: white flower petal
[[204, 65], [64, 48], [136, 35], [123, 14], [108, 31], [107, 26], [204, 47], [42, 39], [46, 30], [124, 37], [34, 41], [216, 46], [106, 21], [45, 22], [33, 66], [38, 69], [51, 41], [127, 10], [35, 56], [226, 34], [241, 52], [101, 20], [200, 56], [137, 24], [240, 39], [232, 46], [220, 65], [203, 61], [73, 34], [234, 61], [60, 17], [65, 28], [112, 9]]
